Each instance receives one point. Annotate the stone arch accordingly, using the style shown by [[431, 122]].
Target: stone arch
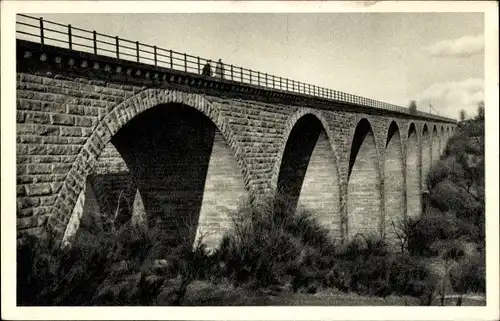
[[307, 172], [442, 140], [114, 193], [413, 181], [290, 124], [426, 155], [116, 119], [394, 187], [435, 145], [364, 203]]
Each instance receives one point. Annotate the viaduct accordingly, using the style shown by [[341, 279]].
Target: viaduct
[[100, 137]]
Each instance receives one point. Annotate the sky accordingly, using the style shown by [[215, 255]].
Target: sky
[[433, 58]]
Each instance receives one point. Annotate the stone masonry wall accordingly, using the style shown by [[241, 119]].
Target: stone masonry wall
[[65, 123], [395, 196]]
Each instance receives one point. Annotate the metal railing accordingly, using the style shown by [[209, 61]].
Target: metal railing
[[67, 36]]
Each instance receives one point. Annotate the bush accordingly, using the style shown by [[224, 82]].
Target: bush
[[51, 276], [434, 226], [366, 267], [410, 276], [272, 243], [469, 275], [107, 269]]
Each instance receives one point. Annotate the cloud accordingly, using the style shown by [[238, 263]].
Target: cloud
[[448, 98], [463, 47]]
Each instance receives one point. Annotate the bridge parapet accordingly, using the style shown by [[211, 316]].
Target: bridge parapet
[[154, 65]]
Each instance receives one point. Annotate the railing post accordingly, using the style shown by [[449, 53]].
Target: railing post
[[95, 42], [266, 78], [154, 51], [42, 40], [241, 74], [70, 41], [231, 72], [117, 48], [286, 83], [250, 70], [273, 82], [185, 62], [258, 78], [199, 69], [137, 50], [171, 60]]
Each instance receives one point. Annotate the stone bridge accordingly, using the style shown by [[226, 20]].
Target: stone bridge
[[103, 138]]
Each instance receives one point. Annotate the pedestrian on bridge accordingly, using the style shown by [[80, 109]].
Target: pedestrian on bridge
[[207, 69], [219, 69]]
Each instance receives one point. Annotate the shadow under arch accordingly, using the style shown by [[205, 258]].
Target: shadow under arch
[[442, 140], [435, 145], [413, 180], [426, 156], [111, 124], [308, 174], [394, 187], [364, 204]]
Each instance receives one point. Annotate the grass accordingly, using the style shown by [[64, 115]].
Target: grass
[[207, 294]]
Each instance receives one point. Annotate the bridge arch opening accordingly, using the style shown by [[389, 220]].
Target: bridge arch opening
[[435, 145], [394, 187], [308, 174], [447, 136], [442, 140], [181, 172], [109, 198], [115, 191], [413, 184], [363, 189], [426, 156]]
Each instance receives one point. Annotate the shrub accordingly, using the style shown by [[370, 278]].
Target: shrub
[[469, 275], [107, 269], [48, 275], [409, 276], [362, 266], [434, 226], [272, 243]]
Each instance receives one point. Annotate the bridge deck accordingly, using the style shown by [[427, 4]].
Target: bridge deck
[[100, 45]]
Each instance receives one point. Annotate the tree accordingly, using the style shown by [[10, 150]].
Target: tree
[[413, 106], [480, 110], [463, 115]]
